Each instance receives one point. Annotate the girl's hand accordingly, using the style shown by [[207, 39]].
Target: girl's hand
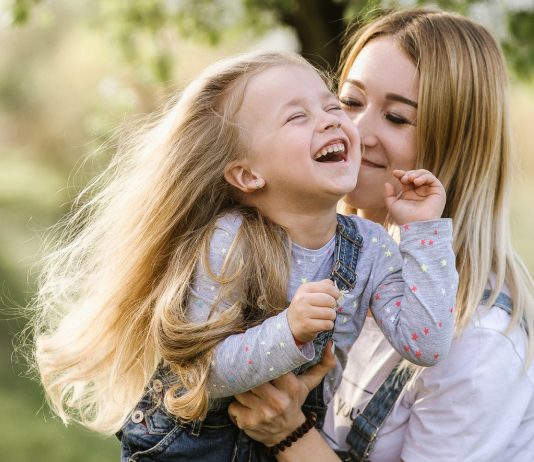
[[421, 198], [272, 411], [312, 309]]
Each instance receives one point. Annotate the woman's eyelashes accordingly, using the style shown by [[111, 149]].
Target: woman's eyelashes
[[350, 104], [397, 119], [355, 105]]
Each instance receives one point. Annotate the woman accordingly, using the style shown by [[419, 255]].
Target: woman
[[429, 90]]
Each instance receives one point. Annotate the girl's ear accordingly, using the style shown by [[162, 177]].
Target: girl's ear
[[239, 175]]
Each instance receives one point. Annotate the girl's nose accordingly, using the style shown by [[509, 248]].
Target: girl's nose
[[330, 121]]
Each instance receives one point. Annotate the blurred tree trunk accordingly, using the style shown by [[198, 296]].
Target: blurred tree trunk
[[319, 27]]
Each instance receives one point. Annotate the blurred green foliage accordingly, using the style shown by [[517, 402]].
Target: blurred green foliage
[[318, 24], [71, 72], [519, 46]]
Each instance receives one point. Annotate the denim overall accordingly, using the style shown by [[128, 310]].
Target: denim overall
[[366, 425], [151, 433]]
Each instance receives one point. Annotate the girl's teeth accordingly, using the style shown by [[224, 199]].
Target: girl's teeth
[[333, 148]]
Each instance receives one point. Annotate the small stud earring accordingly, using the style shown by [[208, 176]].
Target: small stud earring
[[258, 186]]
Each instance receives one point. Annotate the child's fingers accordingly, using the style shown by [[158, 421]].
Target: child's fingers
[[389, 194], [326, 286], [417, 177], [321, 300], [398, 173], [319, 325], [425, 178], [322, 313], [315, 313]]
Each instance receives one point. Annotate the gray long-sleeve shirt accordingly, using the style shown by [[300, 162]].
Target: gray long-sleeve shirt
[[410, 289]]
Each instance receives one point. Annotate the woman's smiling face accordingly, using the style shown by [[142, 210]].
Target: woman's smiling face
[[380, 95]]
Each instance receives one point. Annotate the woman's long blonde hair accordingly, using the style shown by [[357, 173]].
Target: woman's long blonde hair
[[464, 138], [113, 295]]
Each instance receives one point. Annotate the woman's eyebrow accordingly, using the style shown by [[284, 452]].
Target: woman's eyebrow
[[390, 96], [401, 99], [356, 83]]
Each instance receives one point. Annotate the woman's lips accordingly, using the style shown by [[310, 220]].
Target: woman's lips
[[368, 163]]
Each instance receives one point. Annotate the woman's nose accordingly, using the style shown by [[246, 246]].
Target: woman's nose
[[367, 129]]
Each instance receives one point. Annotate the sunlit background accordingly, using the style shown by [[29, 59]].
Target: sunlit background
[[72, 71]]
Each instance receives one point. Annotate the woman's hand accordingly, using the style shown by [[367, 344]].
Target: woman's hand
[[422, 197], [272, 411]]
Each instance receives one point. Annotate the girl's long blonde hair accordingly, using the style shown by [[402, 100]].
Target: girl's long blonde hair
[[113, 295], [464, 138]]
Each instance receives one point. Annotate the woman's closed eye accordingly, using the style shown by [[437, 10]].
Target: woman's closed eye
[[350, 104], [397, 119]]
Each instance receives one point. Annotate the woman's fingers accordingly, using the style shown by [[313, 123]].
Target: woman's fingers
[[234, 410], [240, 414], [265, 411], [272, 411], [276, 397], [313, 376], [261, 404], [274, 391], [285, 391], [252, 397]]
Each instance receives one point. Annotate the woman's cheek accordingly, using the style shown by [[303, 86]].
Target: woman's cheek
[[368, 194]]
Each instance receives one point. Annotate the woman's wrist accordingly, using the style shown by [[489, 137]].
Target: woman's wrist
[[311, 447], [308, 421]]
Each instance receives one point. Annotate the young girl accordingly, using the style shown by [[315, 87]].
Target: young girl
[[172, 289]]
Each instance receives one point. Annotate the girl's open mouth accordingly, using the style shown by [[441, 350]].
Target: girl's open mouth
[[335, 152]]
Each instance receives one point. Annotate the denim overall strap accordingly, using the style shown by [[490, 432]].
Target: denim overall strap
[[503, 301], [346, 252], [365, 427], [348, 245]]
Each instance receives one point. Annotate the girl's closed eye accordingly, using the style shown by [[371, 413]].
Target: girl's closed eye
[[296, 116], [333, 107]]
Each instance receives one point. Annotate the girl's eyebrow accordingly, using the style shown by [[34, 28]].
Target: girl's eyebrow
[[326, 95], [299, 101], [389, 96]]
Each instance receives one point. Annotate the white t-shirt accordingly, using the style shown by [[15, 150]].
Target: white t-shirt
[[476, 405]]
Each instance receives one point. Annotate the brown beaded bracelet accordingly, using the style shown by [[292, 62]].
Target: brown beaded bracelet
[[309, 423]]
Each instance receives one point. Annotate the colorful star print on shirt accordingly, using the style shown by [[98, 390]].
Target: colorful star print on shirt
[[408, 288]]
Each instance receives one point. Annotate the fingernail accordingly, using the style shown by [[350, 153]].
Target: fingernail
[[333, 348]]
